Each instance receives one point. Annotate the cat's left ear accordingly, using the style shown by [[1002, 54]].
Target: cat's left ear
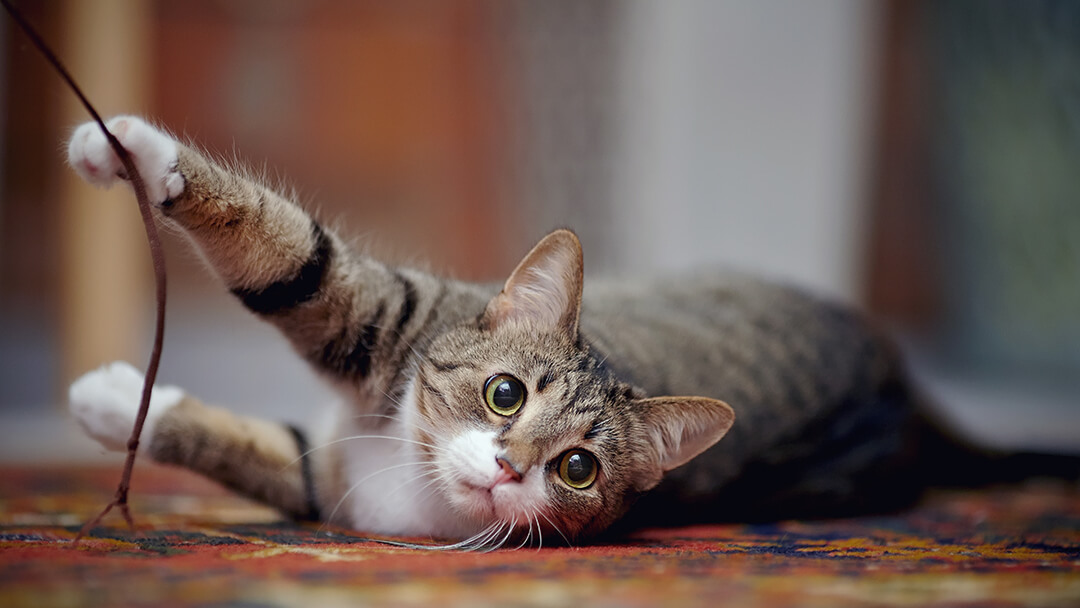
[[683, 427], [544, 291]]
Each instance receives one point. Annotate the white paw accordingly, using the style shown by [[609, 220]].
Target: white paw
[[154, 153], [106, 401]]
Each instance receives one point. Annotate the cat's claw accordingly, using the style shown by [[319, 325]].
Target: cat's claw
[[154, 153], [105, 402]]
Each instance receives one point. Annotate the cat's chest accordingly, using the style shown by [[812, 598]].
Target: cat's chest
[[389, 485]]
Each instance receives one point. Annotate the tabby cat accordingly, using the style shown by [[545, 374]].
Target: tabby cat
[[539, 410]]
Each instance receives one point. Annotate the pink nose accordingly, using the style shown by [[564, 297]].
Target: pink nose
[[506, 473]]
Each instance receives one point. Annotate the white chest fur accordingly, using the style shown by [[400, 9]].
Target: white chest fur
[[390, 488]]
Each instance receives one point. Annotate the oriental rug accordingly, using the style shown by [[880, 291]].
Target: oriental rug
[[196, 545]]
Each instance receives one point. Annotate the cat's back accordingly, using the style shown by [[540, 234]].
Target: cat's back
[[782, 358], [723, 331]]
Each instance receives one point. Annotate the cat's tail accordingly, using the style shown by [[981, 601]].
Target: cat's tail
[[947, 459]]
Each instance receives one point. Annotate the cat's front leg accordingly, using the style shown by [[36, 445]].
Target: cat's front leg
[[258, 458], [349, 315], [250, 235], [106, 401]]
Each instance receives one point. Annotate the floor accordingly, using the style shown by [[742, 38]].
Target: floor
[[196, 545]]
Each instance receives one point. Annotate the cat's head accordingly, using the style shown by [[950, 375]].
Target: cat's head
[[530, 430]]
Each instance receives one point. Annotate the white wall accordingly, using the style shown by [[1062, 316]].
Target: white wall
[[743, 137]]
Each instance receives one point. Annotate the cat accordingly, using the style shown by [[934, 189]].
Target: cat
[[538, 409]]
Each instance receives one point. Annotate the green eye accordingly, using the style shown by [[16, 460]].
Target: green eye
[[504, 394], [578, 469]]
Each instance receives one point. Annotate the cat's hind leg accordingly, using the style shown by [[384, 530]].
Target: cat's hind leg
[[257, 458]]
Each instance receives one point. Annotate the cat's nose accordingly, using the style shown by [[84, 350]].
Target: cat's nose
[[506, 473]]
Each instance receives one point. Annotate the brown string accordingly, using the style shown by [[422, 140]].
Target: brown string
[[121, 498]]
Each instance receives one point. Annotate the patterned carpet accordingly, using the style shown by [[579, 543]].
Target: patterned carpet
[[198, 546]]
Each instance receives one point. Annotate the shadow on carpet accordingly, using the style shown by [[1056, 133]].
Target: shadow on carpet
[[196, 545]]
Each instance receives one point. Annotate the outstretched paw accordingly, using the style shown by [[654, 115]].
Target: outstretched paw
[[106, 402], [154, 153]]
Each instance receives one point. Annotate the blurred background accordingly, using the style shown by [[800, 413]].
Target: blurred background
[[918, 159]]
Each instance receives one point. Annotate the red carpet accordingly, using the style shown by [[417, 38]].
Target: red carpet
[[198, 546]]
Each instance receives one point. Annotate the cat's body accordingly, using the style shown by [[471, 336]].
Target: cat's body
[[488, 415], [825, 415]]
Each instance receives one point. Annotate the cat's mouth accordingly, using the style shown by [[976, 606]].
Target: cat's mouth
[[505, 516], [482, 490], [482, 501], [505, 502]]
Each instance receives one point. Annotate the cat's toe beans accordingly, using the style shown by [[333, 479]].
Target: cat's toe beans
[[91, 157], [103, 408], [105, 402], [153, 152]]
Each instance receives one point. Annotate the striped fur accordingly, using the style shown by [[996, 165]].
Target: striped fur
[[417, 450]]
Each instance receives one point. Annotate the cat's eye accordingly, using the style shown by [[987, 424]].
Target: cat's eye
[[504, 394], [578, 469]]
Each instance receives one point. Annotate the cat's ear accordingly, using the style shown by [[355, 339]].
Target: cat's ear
[[683, 427], [544, 291]]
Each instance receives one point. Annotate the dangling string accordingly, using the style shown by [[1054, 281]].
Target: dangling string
[[120, 500]]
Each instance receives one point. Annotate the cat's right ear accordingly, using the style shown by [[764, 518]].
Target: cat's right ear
[[544, 291], [683, 427]]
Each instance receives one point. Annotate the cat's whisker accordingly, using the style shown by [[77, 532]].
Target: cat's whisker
[[422, 336], [493, 532], [395, 399], [481, 539], [491, 538], [419, 355], [509, 531], [470, 544], [408, 343], [356, 437], [528, 534], [484, 540], [356, 485], [429, 469], [554, 527], [435, 480], [539, 531], [386, 416]]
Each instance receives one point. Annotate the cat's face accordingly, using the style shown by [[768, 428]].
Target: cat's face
[[528, 433]]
